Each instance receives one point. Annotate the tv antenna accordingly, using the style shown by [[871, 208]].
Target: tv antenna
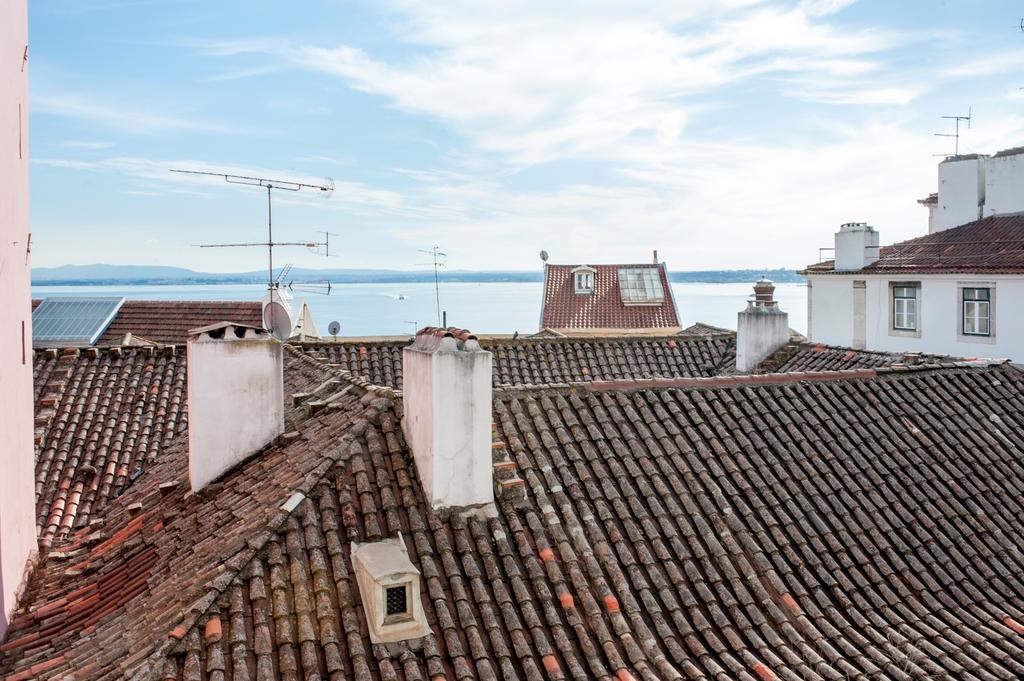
[[270, 184], [956, 130], [435, 253], [415, 326]]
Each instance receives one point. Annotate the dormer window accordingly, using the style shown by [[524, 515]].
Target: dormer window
[[583, 278], [389, 587]]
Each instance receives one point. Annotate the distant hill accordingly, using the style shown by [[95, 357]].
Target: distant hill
[[99, 274]]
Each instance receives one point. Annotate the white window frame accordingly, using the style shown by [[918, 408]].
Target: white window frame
[[583, 280], [962, 288], [894, 315]]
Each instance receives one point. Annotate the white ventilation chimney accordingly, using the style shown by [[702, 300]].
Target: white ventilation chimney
[[856, 246], [235, 397], [1004, 183], [761, 329], [961, 191], [446, 395]]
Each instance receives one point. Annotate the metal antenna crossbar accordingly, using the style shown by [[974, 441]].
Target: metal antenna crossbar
[[270, 184]]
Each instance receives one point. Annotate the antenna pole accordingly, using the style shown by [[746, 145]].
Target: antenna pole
[[270, 241], [437, 288]]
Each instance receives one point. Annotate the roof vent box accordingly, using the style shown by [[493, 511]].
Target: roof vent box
[[389, 587]]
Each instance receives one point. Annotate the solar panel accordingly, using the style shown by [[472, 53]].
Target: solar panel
[[72, 321], [641, 286]]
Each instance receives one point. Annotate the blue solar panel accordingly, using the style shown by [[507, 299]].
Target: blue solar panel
[[72, 321]]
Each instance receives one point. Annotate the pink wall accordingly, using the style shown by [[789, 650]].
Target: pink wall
[[17, 490]]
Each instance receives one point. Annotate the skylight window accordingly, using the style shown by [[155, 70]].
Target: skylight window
[[641, 286]]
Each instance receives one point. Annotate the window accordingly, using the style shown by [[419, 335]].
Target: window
[[641, 286], [977, 312], [583, 279], [904, 307], [396, 603]]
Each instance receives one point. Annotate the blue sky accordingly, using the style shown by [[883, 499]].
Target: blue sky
[[725, 134]]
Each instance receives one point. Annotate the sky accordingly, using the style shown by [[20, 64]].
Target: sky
[[732, 134]]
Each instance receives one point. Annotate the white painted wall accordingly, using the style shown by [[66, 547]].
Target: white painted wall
[[447, 419], [760, 331], [17, 462], [235, 401], [830, 299], [1004, 184], [961, 192]]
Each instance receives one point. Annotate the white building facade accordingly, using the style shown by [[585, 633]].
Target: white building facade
[[959, 290]]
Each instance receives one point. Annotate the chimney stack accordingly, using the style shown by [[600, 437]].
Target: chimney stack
[[235, 397], [446, 396], [761, 329], [655, 256], [856, 246]]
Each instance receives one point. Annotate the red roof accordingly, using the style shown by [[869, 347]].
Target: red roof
[[169, 321], [993, 245], [564, 309]]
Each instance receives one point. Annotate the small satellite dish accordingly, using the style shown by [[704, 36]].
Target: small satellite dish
[[334, 328], [544, 256]]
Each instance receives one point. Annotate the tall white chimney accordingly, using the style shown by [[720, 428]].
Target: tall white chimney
[[446, 395], [961, 191], [235, 397], [856, 246], [761, 329]]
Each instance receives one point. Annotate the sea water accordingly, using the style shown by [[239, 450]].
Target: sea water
[[484, 307]]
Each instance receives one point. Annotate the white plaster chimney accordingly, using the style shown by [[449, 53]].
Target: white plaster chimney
[[1004, 183], [235, 397], [446, 395], [856, 246], [961, 191], [761, 329]]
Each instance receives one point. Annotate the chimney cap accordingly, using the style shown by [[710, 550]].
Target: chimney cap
[[446, 332]]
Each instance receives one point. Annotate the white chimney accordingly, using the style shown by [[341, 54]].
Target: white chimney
[[856, 246], [961, 191], [761, 329], [235, 397], [1004, 183], [446, 395]]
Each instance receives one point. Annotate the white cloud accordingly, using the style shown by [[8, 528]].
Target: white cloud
[[120, 117], [990, 64]]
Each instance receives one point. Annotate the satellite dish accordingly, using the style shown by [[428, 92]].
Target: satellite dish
[[333, 328], [277, 314], [544, 256]]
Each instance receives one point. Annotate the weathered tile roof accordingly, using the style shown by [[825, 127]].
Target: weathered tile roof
[[169, 321], [990, 245], [820, 357], [863, 527], [564, 310], [542, 361], [102, 416]]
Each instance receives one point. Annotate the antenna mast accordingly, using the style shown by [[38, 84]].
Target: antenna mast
[[956, 130], [435, 253], [270, 184]]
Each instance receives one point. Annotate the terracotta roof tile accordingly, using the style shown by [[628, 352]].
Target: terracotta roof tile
[[702, 514], [169, 321], [989, 245], [564, 310]]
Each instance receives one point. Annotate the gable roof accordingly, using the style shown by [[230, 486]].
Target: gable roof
[[865, 527], [990, 245], [542, 361], [565, 311], [169, 321]]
